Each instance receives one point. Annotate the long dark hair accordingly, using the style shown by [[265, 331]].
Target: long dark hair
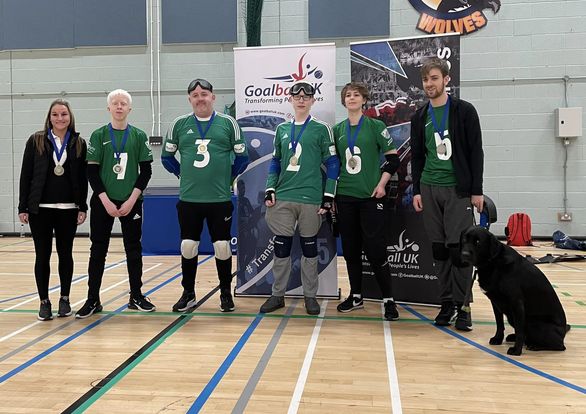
[[41, 136]]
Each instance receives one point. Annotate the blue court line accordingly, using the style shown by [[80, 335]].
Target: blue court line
[[91, 326], [215, 380], [498, 355], [56, 286]]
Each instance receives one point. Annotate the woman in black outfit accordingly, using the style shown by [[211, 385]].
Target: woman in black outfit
[[53, 193]]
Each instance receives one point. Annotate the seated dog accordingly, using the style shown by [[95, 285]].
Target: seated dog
[[517, 289]]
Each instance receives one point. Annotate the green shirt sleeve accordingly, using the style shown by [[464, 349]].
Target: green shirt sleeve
[[94, 148], [383, 138], [170, 145], [328, 149], [145, 153], [272, 178]]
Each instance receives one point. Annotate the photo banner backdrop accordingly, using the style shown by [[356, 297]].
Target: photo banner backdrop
[[390, 69], [263, 76]]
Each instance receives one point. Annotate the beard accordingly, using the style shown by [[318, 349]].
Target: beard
[[435, 93]]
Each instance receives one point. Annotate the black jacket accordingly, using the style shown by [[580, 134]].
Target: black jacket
[[35, 168], [466, 137]]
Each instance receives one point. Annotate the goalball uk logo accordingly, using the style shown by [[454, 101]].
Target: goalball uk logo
[[404, 254], [453, 16]]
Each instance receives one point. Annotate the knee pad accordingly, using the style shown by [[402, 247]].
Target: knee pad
[[309, 246], [189, 248], [222, 250], [440, 252], [456, 255], [283, 246]]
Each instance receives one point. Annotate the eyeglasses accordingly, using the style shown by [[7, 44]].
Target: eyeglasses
[[302, 97], [302, 86], [204, 84]]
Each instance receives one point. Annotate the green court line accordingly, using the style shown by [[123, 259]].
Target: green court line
[[554, 286], [565, 293], [269, 315]]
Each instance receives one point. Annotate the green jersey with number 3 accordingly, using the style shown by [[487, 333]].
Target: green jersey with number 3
[[206, 162], [360, 172], [300, 179], [119, 185]]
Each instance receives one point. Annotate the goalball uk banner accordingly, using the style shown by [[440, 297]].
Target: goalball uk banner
[[263, 76], [390, 69]]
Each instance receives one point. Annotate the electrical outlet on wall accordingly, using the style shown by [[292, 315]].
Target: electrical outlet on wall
[[565, 216]]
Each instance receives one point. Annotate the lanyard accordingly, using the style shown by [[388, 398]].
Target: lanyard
[[295, 139], [59, 153], [203, 133], [122, 145], [440, 129], [352, 138]]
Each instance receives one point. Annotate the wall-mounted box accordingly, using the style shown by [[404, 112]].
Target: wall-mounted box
[[568, 122]]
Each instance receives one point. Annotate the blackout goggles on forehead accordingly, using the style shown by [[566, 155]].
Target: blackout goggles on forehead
[[302, 86], [202, 83]]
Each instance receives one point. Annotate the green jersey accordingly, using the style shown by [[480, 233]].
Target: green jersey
[[360, 172], [438, 169], [206, 161], [119, 177], [300, 179]]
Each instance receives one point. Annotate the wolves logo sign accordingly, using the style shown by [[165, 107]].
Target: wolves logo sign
[[449, 16]]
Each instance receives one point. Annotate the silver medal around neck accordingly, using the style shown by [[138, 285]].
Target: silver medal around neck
[[117, 169], [441, 149], [293, 160], [59, 170], [202, 148], [352, 162]]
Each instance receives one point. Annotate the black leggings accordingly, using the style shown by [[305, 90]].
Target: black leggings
[[362, 227], [64, 224]]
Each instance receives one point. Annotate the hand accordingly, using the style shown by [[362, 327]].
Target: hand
[[127, 206], [270, 198], [417, 203], [379, 191], [478, 202], [327, 204], [81, 217], [23, 217], [110, 207]]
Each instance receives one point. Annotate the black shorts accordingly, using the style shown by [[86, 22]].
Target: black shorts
[[217, 215]]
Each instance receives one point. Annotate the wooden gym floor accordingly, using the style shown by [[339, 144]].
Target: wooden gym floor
[[122, 361]]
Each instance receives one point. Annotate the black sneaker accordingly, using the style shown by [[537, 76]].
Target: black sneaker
[[446, 314], [351, 303], [226, 302], [391, 312], [272, 304], [141, 303], [186, 301], [312, 306], [64, 307], [45, 312], [88, 309], [464, 319]]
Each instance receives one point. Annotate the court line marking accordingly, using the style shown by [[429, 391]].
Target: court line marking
[[500, 356], [304, 373], [396, 405]]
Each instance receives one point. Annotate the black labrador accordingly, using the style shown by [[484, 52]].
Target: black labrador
[[517, 289]]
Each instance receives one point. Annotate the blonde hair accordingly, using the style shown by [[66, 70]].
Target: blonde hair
[[117, 92]]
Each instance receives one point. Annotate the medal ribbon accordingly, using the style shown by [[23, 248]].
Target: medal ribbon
[[113, 141], [59, 153], [352, 138], [441, 129], [203, 133], [295, 139]]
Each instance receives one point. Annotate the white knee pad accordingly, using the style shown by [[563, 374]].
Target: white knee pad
[[189, 248], [222, 250]]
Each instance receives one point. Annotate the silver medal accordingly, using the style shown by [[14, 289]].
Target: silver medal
[[293, 161], [441, 149], [59, 170], [202, 148], [117, 169], [352, 162]]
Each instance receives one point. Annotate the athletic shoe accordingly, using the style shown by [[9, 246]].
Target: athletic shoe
[[391, 312], [45, 312], [312, 306], [226, 302], [272, 304], [186, 301], [464, 320], [351, 303], [446, 314], [141, 303], [64, 307], [88, 309]]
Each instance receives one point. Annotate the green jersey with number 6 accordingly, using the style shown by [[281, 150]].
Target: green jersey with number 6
[[300, 179], [101, 150], [206, 162], [360, 171]]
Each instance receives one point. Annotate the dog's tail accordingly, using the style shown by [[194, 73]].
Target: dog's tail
[[568, 327]]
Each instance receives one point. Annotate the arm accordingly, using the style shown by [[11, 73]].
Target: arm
[[476, 160], [26, 175], [168, 159], [274, 172], [144, 176], [240, 150], [93, 175]]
